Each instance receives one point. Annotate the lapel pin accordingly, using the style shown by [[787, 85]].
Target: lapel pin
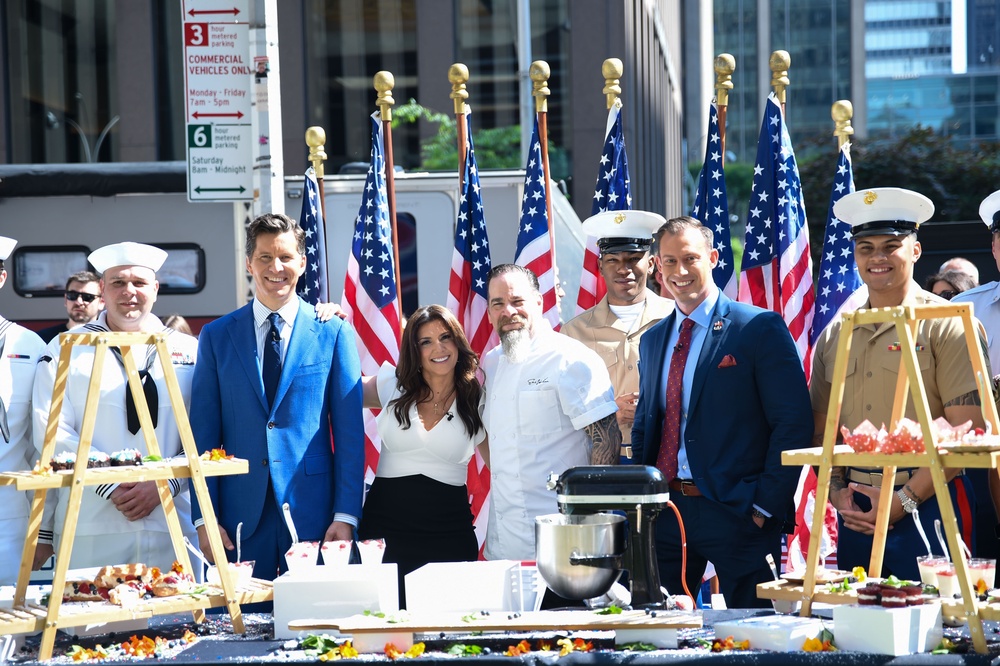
[[717, 326]]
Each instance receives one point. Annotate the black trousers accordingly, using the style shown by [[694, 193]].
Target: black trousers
[[734, 544]]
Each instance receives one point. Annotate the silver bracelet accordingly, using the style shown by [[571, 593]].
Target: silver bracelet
[[909, 504]]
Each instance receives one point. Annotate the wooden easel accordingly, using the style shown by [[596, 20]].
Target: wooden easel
[[29, 618], [910, 383]]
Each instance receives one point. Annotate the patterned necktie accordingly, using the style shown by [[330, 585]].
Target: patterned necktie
[[666, 461], [271, 369]]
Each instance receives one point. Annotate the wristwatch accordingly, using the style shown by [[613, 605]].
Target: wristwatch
[[757, 513], [909, 504]]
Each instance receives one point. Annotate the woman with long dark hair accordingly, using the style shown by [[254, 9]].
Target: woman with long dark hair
[[430, 427]]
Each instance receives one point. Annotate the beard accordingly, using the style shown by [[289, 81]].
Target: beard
[[516, 344]]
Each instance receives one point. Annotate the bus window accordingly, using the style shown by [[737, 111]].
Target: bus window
[[184, 270], [42, 270], [406, 227]]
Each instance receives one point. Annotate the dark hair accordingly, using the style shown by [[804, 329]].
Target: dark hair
[[274, 223], [83, 277], [504, 269], [676, 225], [412, 387], [957, 280]]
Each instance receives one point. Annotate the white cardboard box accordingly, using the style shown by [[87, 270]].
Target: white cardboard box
[[463, 586], [781, 633], [892, 631], [327, 592]]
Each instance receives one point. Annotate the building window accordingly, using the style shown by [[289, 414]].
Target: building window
[[62, 77]]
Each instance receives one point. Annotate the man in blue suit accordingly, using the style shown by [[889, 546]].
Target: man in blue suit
[[271, 385], [721, 395]]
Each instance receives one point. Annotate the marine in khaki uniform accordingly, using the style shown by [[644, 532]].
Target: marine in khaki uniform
[[613, 327], [885, 222]]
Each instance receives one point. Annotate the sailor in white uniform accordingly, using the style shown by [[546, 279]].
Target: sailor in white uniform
[[119, 523], [985, 298], [20, 350]]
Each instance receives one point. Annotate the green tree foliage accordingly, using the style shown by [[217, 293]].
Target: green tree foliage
[[954, 176], [496, 148]]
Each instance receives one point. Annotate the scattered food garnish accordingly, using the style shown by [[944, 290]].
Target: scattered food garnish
[[981, 586], [371, 613], [517, 650], [216, 454], [152, 458], [78, 653], [945, 647], [343, 651], [637, 647], [729, 643], [859, 573], [462, 650], [393, 652], [610, 610], [567, 645]]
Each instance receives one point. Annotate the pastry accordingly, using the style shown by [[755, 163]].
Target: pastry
[[112, 576], [172, 582], [81, 590], [870, 594], [126, 594], [63, 460], [98, 459], [126, 458]]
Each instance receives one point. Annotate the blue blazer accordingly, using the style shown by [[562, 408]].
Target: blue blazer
[[740, 418], [319, 393]]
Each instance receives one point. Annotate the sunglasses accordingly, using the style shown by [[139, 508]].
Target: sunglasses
[[948, 294], [73, 295]]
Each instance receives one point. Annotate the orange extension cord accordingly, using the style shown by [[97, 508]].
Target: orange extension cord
[[684, 554]]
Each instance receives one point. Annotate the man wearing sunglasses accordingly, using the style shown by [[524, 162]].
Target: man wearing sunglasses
[[83, 304]]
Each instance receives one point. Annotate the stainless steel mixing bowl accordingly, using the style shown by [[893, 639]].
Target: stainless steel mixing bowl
[[579, 556]]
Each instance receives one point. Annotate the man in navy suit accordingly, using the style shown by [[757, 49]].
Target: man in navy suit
[[719, 399], [271, 384]]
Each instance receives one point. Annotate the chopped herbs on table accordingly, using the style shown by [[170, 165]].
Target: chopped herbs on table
[[610, 610]]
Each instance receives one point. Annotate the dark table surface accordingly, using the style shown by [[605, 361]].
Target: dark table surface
[[216, 643]]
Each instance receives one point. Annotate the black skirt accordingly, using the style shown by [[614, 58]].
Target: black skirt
[[421, 520]]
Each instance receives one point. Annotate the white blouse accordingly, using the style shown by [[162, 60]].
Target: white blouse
[[441, 453]]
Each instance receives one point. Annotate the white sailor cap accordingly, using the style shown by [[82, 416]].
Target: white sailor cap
[[6, 247], [127, 254], [884, 211], [623, 230], [989, 210]]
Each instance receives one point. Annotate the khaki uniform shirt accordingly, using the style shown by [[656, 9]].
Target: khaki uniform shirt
[[873, 366], [602, 331]]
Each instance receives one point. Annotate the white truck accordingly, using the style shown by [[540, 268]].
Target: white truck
[[60, 213]]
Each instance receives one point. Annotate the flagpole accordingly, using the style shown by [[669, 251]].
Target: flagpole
[[842, 111], [539, 74], [780, 62], [458, 75], [316, 140], [384, 81], [725, 65]]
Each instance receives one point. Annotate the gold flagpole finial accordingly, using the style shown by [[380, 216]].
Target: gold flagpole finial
[[725, 65], [612, 69], [458, 76], [842, 111], [316, 140], [780, 62], [539, 73], [384, 81]]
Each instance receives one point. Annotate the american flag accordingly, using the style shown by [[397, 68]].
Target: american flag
[[468, 299], [370, 286], [839, 289], [610, 193], [777, 268], [470, 262], [712, 208], [312, 285], [534, 247]]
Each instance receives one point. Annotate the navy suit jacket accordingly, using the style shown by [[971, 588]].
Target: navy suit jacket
[[740, 418], [319, 392]]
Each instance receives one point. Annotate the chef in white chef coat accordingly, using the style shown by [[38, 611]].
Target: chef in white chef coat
[[119, 523], [19, 352]]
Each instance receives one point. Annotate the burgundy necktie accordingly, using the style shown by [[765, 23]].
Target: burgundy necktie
[[666, 461]]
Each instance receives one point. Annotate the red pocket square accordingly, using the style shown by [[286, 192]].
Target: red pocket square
[[728, 361]]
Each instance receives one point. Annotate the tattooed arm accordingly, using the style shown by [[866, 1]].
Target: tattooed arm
[[605, 440]]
